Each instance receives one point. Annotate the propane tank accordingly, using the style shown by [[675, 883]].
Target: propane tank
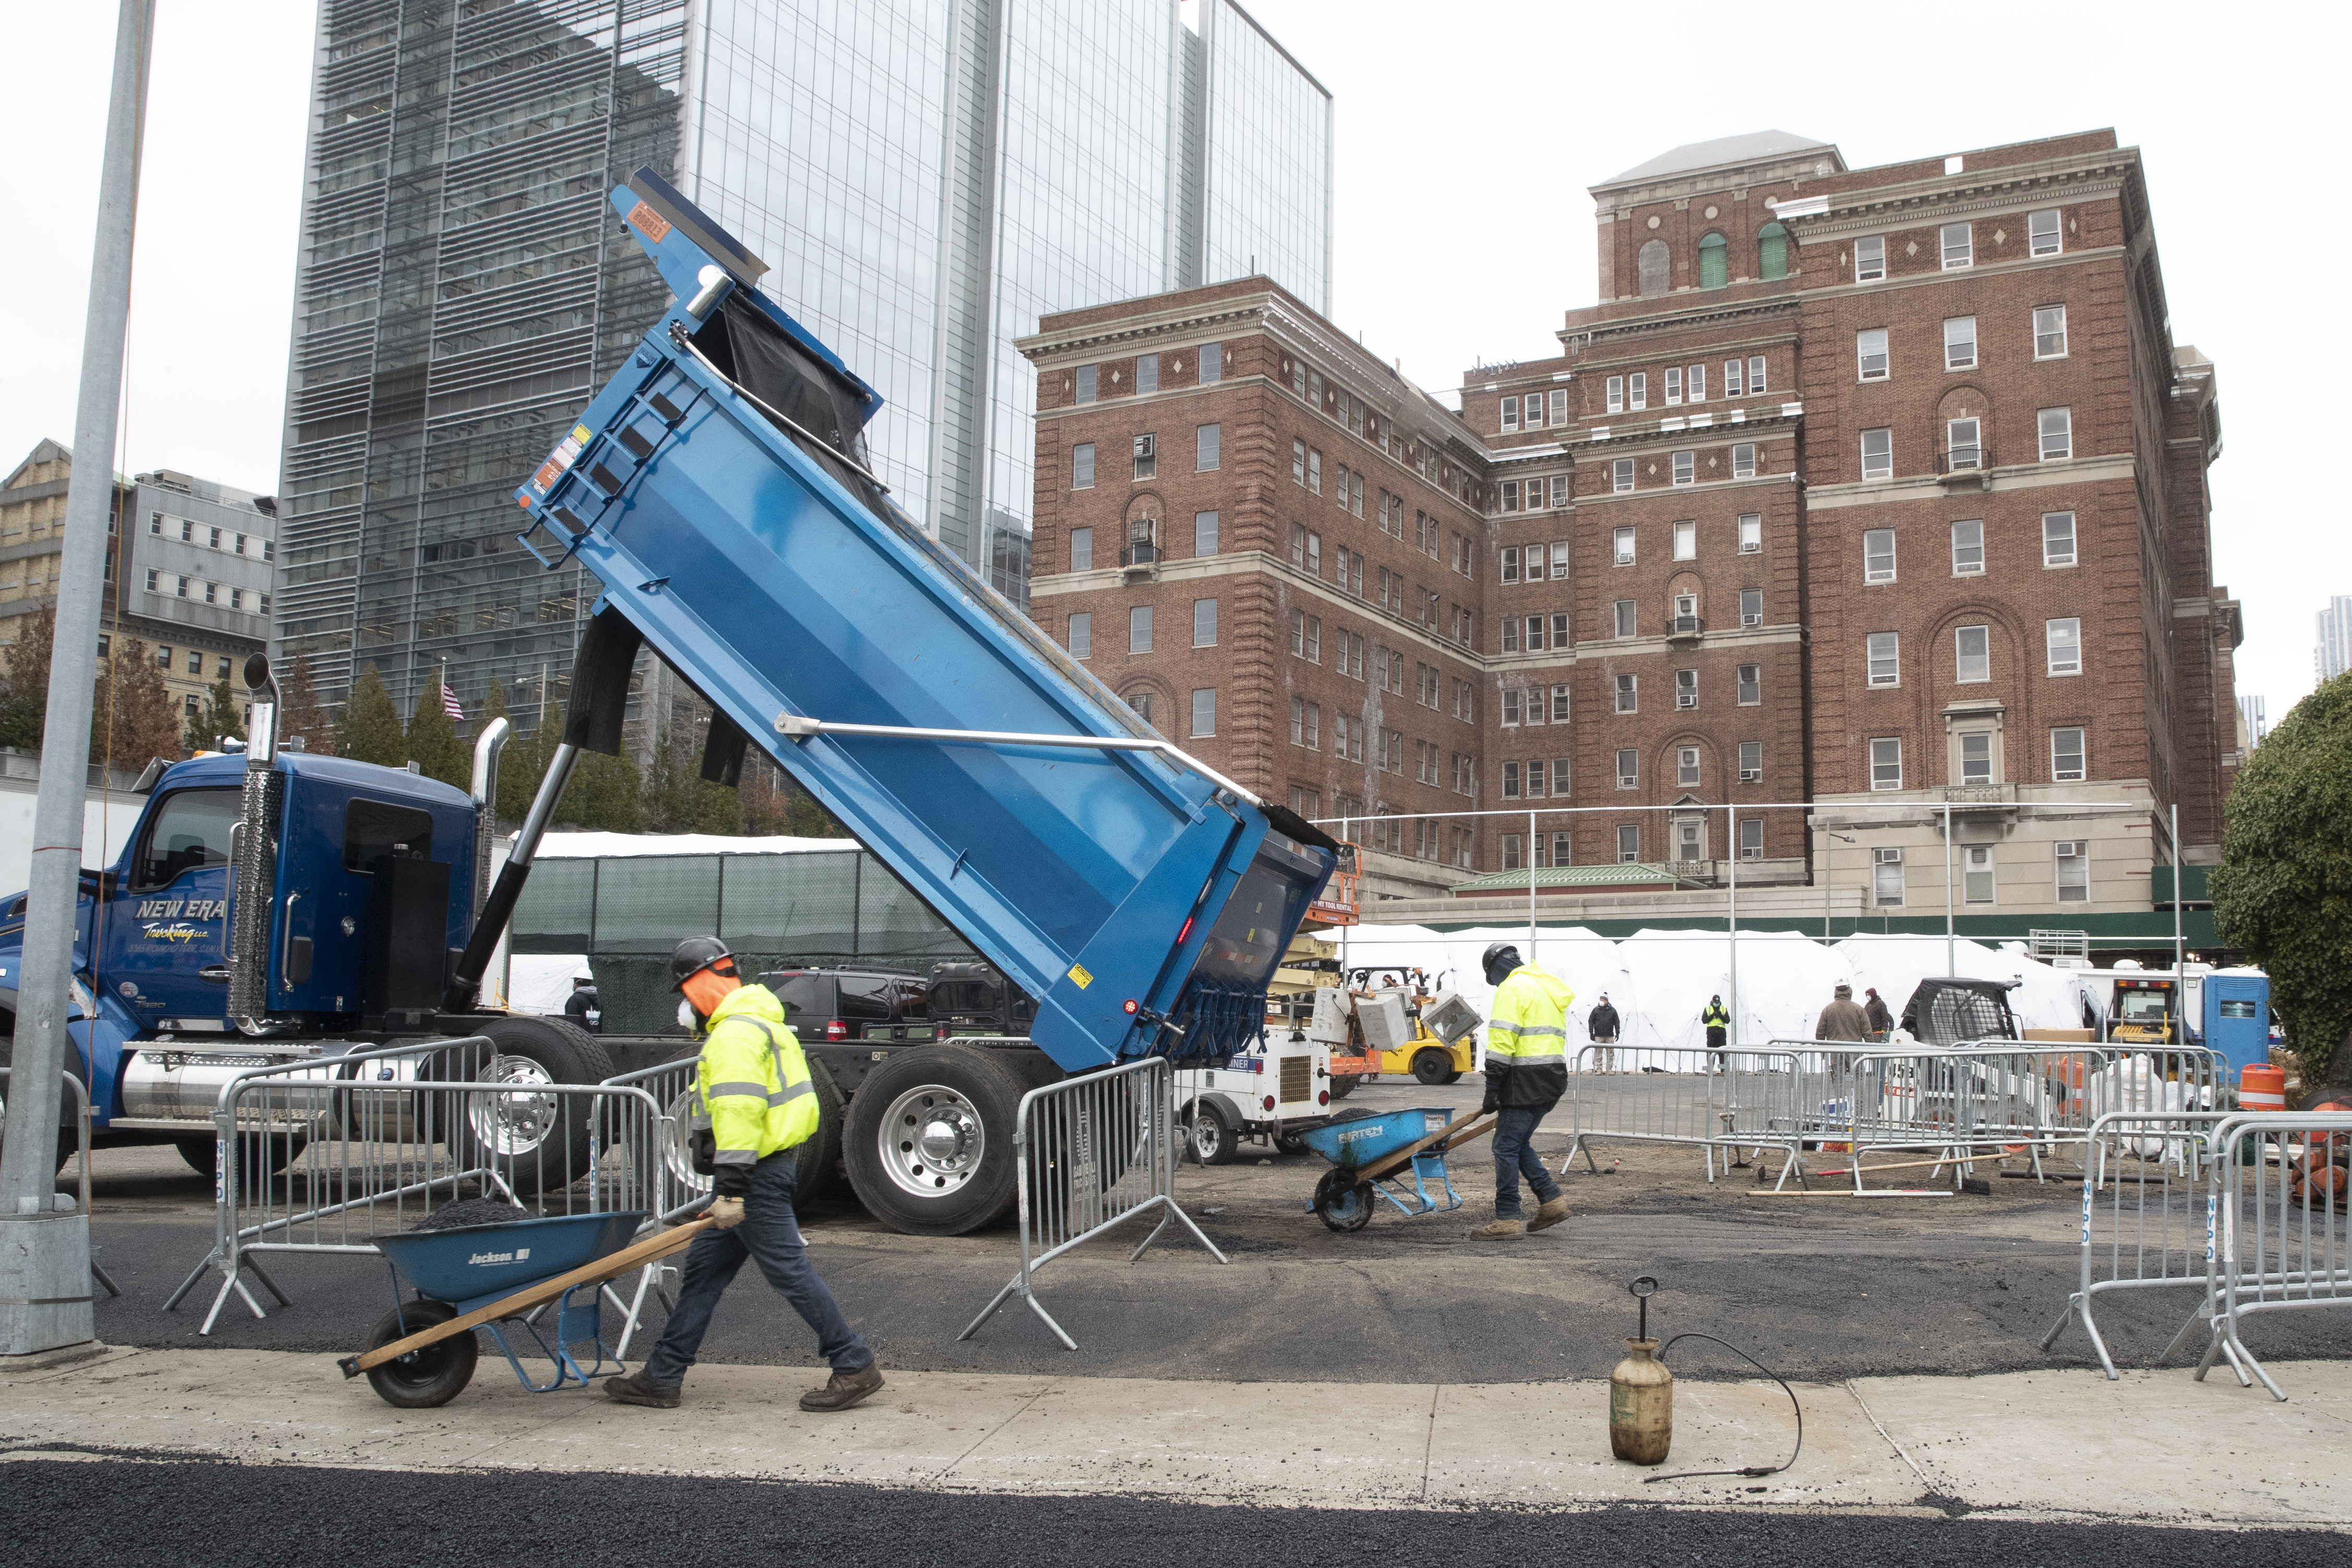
[[1642, 1394]]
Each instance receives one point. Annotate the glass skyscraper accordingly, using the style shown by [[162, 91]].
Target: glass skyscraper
[[925, 178]]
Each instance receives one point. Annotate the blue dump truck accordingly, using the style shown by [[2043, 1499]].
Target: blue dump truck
[[277, 906]]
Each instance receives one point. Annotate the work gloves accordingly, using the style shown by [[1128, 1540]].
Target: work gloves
[[1494, 1101], [728, 1211]]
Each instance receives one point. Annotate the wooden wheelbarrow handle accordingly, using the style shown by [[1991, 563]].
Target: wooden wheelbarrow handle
[[1444, 1140], [634, 1256]]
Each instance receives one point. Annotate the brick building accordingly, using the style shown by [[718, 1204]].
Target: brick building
[[1881, 490]]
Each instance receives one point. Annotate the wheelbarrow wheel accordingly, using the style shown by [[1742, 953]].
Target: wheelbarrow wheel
[[427, 1379], [1342, 1202]]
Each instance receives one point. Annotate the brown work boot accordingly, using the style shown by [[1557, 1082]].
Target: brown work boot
[[1499, 1231], [1553, 1211], [639, 1389], [843, 1389]]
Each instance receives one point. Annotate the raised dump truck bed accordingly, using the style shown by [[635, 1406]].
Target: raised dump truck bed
[[718, 487]]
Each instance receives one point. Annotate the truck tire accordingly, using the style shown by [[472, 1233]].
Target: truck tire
[[1430, 1066], [203, 1154], [427, 1379], [537, 1141], [818, 1173], [1211, 1137], [1344, 1084], [929, 1140]]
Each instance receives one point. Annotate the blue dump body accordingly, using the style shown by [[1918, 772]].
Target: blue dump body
[[769, 570]]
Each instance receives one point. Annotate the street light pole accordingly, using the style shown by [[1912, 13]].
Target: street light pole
[[44, 1277], [1951, 951]]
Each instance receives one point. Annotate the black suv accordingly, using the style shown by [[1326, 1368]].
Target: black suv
[[835, 1005]]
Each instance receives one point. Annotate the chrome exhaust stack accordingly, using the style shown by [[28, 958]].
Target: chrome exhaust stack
[[253, 859]]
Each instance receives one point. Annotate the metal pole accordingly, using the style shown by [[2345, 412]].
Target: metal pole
[[1826, 903], [1951, 952], [1731, 848], [1346, 837], [50, 1260], [1531, 887], [2180, 980]]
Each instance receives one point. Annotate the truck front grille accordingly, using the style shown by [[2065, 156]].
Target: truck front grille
[[1296, 1081]]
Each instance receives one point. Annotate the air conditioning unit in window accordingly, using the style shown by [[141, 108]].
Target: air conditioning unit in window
[[1751, 776], [1686, 699], [1755, 620], [1145, 447]]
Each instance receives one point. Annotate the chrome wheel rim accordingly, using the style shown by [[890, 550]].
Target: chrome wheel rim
[[931, 1141], [519, 1118], [677, 1135]]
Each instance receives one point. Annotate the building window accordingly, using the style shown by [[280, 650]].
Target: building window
[[1752, 680], [155, 523], [1621, 475], [1972, 653], [1637, 389], [1082, 549], [1204, 533], [1751, 838], [236, 599], [1213, 363], [190, 705], [1731, 378], [1534, 638], [1751, 762], [1510, 415], [153, 579], [2064, 638], [1963, 445], [2042, 233], [1887, 763], [1674, 387], [1870, 258], [1299, 462], [1878, 555], [1959, 246], [1878, 453], [1559, 405], [1686, 689], [1622, 540], [1204, 622], [1147, 374], [1205, 712], [1652, 268], [1976, 874], [1685, 541], [1531, 413], [1082, 636], [1685, 616], [1751, 532], [1558, 560], [2049, 331], [181, 588], [2073, 857], [1510, 634], [1967, 548], [1511, 564], [1510, 792], [1629, 843], [2057, 430], [1698, 384], [1510, 495], [1559, 701], [1713, 271], [1960, 343], [2066, 756], [195, 662], [2057, 539], [1205, 440], [1754, 374], [1743, 460], [1147, 457], [1685, 468], [1628, 694], [1629, 768], [1138, 629], [1616, 394], [1886, 878], [1511, 697], [1686, 767], [1885, 658], [1751, 607], [1561, 846], [1086, 383], [1975, 757], [1314, 470], [1870, 354], [1622, 612], [1560, 495], [1314, 553], [1314, 726], [1771, 252]]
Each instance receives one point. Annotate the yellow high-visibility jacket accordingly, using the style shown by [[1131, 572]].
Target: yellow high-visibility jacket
[[1526, 1039], [756, 1096]]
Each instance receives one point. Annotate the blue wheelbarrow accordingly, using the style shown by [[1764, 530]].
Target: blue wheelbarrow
[[422, 1353], [1376, 1154]]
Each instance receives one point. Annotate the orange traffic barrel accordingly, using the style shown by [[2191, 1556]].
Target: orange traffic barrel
[[2261, 1088]]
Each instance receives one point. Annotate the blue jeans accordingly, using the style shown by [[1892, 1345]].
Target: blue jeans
[[1514, 1158], [769, 1236]]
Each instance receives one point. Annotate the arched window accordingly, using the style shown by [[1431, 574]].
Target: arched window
[[1654, 268], [1771, 251], [1712, 271]]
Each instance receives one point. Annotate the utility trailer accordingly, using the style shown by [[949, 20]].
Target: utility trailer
[[277, 906]]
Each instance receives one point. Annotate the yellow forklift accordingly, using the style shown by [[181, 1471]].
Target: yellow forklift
[[1440, 1041]]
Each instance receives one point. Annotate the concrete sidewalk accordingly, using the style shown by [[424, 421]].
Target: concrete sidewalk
[[2155, 1448]]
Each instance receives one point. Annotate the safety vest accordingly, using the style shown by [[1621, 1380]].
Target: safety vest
[[752, 1087], [1530, 1023], [1715, 1016]]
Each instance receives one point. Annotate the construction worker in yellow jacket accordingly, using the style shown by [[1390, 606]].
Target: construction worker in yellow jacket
[[1526, 1072], [758, 1107]]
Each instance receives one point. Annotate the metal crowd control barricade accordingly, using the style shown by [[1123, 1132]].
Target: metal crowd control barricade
[[1759, 1099], [672, 1188], [1091, 1153], [2145, 1216], [321, 1155], [2276, 1227], [2003, 1098], [81, 1140]]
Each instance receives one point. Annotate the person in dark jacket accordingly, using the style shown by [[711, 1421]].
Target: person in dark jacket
[[1875, 1011], [582, 1008], [1718, 1032], [1602, 1027]]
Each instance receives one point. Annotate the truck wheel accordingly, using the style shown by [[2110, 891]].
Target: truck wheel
[[1430, 1066], [1212, 1139], [203, 1154], [423, 1379], [1454, 1075], [929, 1145], [1345, 1084], [818, 1172], [538, 1142]]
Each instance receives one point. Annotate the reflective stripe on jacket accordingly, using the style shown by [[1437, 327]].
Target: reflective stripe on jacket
[[1715, 1016], [752, 1084], [1527, 1037]]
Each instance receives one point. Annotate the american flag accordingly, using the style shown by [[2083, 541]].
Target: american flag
[[449, 701]]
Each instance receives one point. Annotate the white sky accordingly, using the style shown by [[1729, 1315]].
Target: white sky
[[1466, 137]]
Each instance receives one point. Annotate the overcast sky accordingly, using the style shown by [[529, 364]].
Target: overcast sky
[[1466, 137]]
